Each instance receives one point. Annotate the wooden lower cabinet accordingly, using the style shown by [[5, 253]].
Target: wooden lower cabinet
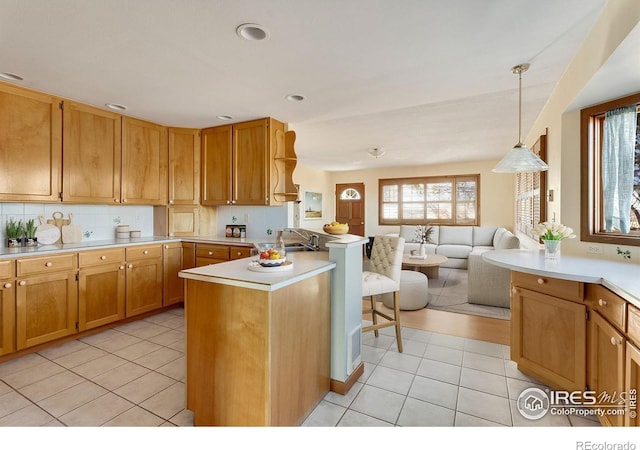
[[101, 287], [173, 291], [548, 338], [143, 279], [7, 308], [46, 308], [632, 382], [255, 357], [606, 365]]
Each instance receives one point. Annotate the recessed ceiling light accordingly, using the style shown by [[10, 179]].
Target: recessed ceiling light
[[295, 98], [115, 106], [225, 117], [252, 32], [10, 76]]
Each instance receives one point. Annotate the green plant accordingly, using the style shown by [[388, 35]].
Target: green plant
[[14, 229], [30, 229]]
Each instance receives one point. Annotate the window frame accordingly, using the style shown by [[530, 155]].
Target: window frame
[[454, 179], [590, 178]]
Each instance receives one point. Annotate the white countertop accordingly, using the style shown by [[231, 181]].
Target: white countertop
[[623, 278], [236, 272], [6, 252]]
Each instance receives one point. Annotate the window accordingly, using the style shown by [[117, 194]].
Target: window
[[531, 188], [610, 150], [350, 194], [447, 200]]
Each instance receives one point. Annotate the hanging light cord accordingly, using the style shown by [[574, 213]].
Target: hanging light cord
[[519, 69]]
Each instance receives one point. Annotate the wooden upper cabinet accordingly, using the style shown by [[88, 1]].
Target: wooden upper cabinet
[[91, 154], [144, 162], [30, 145], [216, 165], [238, 163], [184, 166], [251, 163]]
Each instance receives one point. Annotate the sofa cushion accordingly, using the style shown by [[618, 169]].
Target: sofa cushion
[[454, 251], [430, 248], [483, 236], [408, 232], [498, 235], [508, 241], [456, 235]]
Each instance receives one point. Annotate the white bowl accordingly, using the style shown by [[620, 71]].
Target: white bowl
[[271, 262]]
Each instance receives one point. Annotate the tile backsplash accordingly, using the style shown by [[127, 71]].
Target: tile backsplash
[[98, 222]]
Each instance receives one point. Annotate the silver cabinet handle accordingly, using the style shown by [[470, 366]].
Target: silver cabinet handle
[[7, 285], [48, 264], [602, 302], [22, 283]]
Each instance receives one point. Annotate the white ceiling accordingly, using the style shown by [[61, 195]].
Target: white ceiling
[[429, 81]]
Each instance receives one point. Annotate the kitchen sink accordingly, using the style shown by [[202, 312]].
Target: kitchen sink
[[289, 247]]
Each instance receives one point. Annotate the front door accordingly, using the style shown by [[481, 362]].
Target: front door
[[350, 206]]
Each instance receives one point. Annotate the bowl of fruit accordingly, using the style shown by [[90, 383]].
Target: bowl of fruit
[[336, 228], [271, 257]]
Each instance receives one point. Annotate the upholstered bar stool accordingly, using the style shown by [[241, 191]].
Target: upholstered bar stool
[[383, 276]]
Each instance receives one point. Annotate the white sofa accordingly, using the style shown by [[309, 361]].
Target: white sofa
[[458, 242]]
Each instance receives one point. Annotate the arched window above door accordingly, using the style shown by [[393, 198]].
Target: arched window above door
[[350, 194]]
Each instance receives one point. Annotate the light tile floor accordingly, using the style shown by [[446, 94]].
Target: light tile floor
[[133, 375], [439, 380]]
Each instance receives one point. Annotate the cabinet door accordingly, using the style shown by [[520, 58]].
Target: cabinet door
[[216, 165], [46, 308], [30, 145], [184, 166], [143, 286], [251, 162], [606, 364], [173, 284], [183, 221], [91, 156], [7, 316], [188, 255], [548, 338], [632, 382], [101, 294], [144, 162], [239, 252]]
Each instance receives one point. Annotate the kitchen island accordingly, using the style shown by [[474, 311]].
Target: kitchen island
[[258, 344]]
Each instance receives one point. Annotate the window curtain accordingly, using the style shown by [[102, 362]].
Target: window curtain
[[617, 167]]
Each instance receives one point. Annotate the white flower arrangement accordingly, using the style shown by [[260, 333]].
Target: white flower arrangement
[[423, 234], [551, 231]]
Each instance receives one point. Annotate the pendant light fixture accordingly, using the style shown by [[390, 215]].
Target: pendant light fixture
[[520, 158]]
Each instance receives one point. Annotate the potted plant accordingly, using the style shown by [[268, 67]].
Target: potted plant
[[30, 229], [14, 232]]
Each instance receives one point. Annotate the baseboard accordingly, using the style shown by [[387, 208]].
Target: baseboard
[[342, 387]]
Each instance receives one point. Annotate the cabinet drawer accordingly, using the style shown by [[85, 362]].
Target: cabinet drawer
[[608, 304], [633, 324], [569, 290], [54, 263], [7, 269], [144, 252], [100, 257], [238, 252], [212, 251]]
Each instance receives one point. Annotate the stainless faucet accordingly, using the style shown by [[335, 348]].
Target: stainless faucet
[[312, 239]]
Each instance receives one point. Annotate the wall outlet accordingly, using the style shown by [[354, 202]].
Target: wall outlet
[[594, 249]]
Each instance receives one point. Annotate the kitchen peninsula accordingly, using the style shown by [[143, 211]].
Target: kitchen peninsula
[[575, 325], [258, 344]]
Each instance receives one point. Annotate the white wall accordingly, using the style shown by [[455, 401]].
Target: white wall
[[496, 190], [262, 221], [314, 180], [98, 222], [563, 141]]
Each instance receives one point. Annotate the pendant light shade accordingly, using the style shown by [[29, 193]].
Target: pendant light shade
[[520, 158]]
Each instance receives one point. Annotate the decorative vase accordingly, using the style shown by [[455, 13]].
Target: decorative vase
[[551, 248], [422, 251], [14, 242], [31, 242]]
